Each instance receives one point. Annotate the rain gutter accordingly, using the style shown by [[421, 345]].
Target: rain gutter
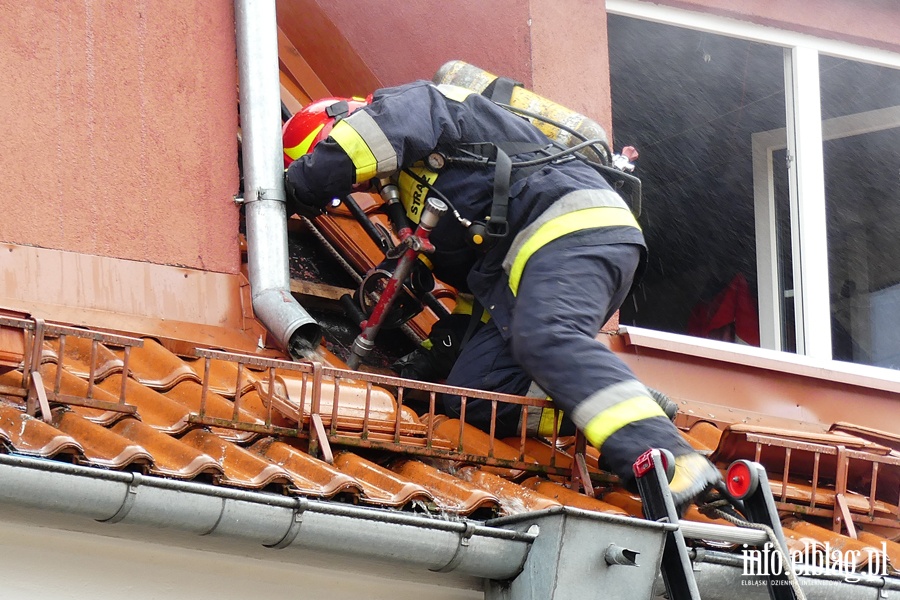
[[271, 520], [264, 200]]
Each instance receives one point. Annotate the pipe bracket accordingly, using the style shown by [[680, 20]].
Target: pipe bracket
[[128, 502], [464, 538], [294, 528], [276, 194]]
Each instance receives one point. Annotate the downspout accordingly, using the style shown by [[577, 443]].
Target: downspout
[[264, 200], [272, 520]]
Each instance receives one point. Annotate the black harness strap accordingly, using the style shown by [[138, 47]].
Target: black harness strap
[[501, 89], [497, 225], [485, 153], [474, 320]]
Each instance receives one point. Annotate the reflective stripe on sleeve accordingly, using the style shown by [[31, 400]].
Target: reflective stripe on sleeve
[[605, 399], [598, 429], [579, 220], [366, 145]]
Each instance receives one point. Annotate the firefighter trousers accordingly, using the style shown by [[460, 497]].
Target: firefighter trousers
[[566, 293]]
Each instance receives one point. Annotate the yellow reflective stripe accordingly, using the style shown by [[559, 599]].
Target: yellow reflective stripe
[[464, 307], [413, 193], [303, 147], [427, 262], [587, 218], [375, 139], [356, 148], [545, 427], [624, 413]]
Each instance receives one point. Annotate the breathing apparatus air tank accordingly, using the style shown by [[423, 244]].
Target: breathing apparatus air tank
[[470, 77]]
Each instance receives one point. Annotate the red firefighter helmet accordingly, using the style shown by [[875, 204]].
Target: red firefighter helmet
[[313, 123]]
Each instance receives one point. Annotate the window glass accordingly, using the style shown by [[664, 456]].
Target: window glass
[[861, 148], [690, 103], [784, 266]]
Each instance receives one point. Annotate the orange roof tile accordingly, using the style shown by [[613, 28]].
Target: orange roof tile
[[472, 440], [859, 553], [450, 493], [171, 457], [189, 393], [12, 346], [154, 366], [514, 498], [154, 408], [381, 485], [706, 433], [28, 435], [240, 467], [570, 497], [309, 475], [100, 446], [223, 375], [78, 354], [71, 385]]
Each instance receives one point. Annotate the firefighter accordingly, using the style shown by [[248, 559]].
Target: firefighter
[[539, 239]]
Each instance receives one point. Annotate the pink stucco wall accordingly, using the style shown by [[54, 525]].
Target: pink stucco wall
[[117, 129], [403, 41], [556, 47], [570, 57]]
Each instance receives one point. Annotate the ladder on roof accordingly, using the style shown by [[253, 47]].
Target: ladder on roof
[[747, 489]]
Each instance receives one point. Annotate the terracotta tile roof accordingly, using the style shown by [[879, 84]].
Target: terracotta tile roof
[[162, 437], [450, 493], [860, 552], [248, 423]]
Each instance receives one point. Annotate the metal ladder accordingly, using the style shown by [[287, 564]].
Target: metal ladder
[[749, 493]]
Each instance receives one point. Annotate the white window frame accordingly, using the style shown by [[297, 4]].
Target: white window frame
[[803, 139], [764, 144]]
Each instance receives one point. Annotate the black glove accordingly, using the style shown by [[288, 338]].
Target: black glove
[[433, 361], [298, 202]]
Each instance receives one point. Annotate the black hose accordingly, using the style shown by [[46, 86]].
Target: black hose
[[351, 309], [566, 128], [366, 223], [604, 170], [424, 182], [435, 305]]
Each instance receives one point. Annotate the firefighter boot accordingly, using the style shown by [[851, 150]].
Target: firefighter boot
[[694, 476]]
